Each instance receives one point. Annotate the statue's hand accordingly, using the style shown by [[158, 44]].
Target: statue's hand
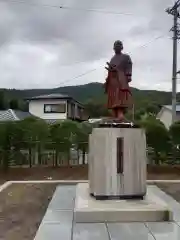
[[111, 66]]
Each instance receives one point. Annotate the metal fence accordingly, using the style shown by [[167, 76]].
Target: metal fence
[[46, 157], [75, 156]]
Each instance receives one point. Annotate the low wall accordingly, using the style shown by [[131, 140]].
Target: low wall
[[163, 169]]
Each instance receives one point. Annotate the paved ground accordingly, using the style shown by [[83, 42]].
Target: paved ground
[[58, 222]]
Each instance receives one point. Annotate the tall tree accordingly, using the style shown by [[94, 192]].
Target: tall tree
[[35, 135], [3, 101], [7, 136], [82, 138], [157, 137], [96, 109], [14, 104], [63, 137], [174, 132]]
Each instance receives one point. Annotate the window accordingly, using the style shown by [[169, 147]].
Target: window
[[55, 108]]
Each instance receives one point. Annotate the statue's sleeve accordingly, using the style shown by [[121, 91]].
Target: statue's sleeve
[[128, 66]]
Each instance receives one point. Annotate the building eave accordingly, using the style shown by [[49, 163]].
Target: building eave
[[55, 98]]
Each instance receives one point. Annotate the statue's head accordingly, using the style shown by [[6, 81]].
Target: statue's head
[[118, 46]]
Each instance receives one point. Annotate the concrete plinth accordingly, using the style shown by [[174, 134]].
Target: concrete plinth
[[89, 210]]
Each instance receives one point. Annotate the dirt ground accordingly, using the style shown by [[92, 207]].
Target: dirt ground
[[166, 172], [45, 173], [22, 207], [79, 173]]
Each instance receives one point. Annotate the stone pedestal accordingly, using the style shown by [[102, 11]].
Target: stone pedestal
[[117, 163], [89, 210], [117, 175]]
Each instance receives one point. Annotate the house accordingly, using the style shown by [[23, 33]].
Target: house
[[54, 107], [165, 115], [51, 108]]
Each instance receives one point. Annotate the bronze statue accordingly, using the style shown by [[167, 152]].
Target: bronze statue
[[117, 82]]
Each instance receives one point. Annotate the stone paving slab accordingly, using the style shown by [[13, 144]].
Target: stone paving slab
[[63, 198], [129, 231], [54, 231], [167, 198], [90, 231], [165, 231], [56, 216], [173, 205], [58, 222]]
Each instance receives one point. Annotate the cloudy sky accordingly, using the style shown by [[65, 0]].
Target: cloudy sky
[[42, 47]]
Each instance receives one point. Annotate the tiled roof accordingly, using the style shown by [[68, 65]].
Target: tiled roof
[[51, 96], [54, 96], [170, 107], [13, 115], [22, 115], [2, 111]]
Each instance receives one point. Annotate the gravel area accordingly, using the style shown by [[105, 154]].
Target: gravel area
[[22, 207]]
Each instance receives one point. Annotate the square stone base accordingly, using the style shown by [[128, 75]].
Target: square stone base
[[89, 210]]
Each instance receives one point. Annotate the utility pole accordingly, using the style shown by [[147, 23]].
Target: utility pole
[[174, 11]]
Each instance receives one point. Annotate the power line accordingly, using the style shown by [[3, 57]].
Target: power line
[[75, 63], [97, 11], [92, 70], [154, 39], [62, 7], [76, 9], [144, 45], [78, 76]]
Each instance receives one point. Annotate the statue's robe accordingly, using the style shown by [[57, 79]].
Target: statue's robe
[[117, 82]]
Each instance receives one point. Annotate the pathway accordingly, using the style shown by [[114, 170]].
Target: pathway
[[58, 222]]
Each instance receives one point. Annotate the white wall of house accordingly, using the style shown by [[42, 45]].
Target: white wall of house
[[165, 116], [36, 107]]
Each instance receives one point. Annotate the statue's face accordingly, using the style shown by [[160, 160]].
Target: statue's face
[[118, 47]]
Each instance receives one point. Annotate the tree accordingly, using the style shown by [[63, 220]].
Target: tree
[[157, 137], [3, 101], [7, 136], [35, 135], [139, 114], [42, 135], [96, 109], [152, 109], [16, 142], [82, 138], [174, 132], [63, 136], [14, 104]]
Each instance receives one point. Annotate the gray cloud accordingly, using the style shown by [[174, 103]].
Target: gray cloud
[[42, 46]]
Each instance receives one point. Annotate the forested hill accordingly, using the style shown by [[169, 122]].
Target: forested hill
[[81, 92], [92, 95], [91, 91]]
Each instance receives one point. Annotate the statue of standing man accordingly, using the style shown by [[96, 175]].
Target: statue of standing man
[[117, 82]]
